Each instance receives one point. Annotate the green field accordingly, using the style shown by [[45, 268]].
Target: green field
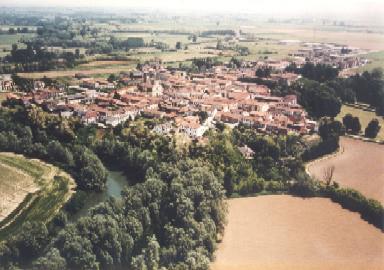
[[6, 41], [377, 61], [364, 116], [39, 189], [264, 42]]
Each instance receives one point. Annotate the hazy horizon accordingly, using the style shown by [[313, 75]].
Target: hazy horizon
[[352, 9]]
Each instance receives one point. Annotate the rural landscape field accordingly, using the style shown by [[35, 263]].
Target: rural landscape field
[[266, 232], [358, 165], [191, 135], [30, 191]]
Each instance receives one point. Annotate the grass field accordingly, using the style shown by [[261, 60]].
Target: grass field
[[71, 73], [377, 61], [6, 41], [30, 190], [270, 32], [284, 232], [358, 165], [364, 116]]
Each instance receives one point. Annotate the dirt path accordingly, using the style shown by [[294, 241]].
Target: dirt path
[[360, 165], [285, 232]]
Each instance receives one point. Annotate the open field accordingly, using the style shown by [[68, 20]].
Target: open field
[[377, 61], [358, 165], [105, 63], [71, 73], [317, 33], [6, 41], [284, 232], [364, 116], [30, 190], [15, 186]]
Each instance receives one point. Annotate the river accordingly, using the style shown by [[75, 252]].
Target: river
[[116, 182]]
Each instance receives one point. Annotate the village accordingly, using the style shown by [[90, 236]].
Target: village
[[211, 135], [177, 99], [190, 103]]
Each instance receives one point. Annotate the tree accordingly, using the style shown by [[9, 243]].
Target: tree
[[328, 175], [319, 72], [33, 238], [112, 77], [59, 153], [178, 45], [52, 260], [372, 129], [152, 255], [355, 125], [203, 115], [348, 122], [318, 99], [135, 42], [263, 72]]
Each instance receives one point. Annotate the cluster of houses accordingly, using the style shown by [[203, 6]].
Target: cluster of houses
[[178, 99], [335, 55], [6, 83]]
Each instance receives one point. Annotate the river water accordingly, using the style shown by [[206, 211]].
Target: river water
[[116, 182]]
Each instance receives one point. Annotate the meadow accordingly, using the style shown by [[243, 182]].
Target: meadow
[[365, 116], [265, 45]]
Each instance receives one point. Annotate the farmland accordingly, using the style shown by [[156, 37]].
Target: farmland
[[358, 165], [264, 43], [285, 232], [30, 190]]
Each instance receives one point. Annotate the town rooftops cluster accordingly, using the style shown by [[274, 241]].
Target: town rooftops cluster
[[177, 98]]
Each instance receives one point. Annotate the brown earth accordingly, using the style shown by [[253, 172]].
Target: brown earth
[[105, 63], [359, 165], [15, 185], [285, 232]]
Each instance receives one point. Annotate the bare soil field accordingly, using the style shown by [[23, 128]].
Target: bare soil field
[[359, 165], [14, 187], [284, 232], [363, 40], [30, 190]]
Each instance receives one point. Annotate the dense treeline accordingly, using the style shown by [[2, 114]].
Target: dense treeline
[[276, 160], [37, 58], [318, 72], [171, 219], [367, 87], [329, 132], [369, 209], [16, 30], [321, 92], [173, 211], [218, 33], [37, 134], [318, 99]]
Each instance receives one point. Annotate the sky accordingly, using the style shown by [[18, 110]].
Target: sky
[[284, 7]]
